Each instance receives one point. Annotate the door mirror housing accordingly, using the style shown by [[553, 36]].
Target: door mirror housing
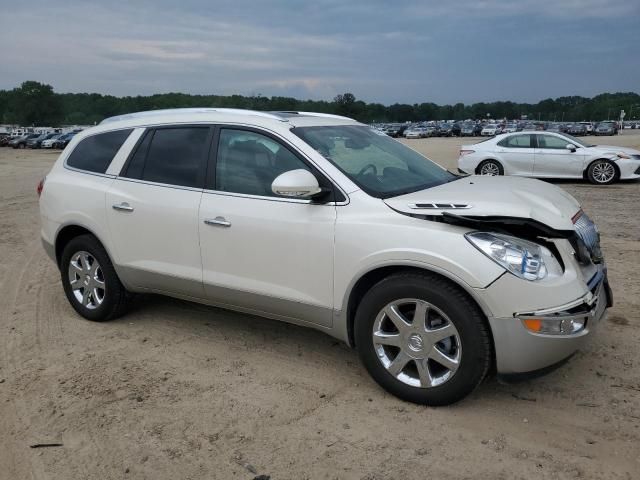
[[298, 183], [571, 146]]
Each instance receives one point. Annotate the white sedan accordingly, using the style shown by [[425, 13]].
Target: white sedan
[[549, 155]]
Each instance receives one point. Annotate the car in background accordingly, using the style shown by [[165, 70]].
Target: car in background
[[37, 141], [606, 128], [577, 130], [588, 126], [510, 128], [456, 130], [549, 155], [490, 130], [5, 138], [61, 142], [445, 130], [432, 131], [470, 130], [416, 132], [21, 142], [48, 143]]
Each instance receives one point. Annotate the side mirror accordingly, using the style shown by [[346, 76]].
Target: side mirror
[[571, 146], [296, 184]]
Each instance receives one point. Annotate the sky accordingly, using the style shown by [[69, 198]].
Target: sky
[[381, 51]]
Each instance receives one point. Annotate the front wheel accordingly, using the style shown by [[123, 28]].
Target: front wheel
[[90, 282], [490, 167], [422, 339], [602, 172]]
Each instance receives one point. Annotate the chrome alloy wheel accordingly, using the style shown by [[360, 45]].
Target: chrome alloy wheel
[[417, 343], [490, 168], [86, 280], [603, 172]]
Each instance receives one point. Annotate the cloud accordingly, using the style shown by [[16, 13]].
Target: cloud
[[381, 51]]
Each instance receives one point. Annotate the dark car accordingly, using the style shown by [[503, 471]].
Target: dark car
[[445, 130], [21, 142], [36, 142], [606, 128], [456, 130], [554, 127], [471, 130], [63, 141], [5, 138], [577, 129]]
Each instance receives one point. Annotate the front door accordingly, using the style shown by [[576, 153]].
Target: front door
[[553, 159], [262, 253]]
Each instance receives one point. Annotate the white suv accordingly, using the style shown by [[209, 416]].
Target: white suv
[[321, 221]]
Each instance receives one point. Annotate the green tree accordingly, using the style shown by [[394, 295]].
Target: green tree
[[34, 103]]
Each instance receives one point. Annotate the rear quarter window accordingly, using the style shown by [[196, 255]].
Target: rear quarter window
[[95, 153]]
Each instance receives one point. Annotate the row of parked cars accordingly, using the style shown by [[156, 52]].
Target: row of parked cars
[[490, 129], [37, 140]]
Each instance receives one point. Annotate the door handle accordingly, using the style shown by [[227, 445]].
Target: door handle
[[217, 222], [123, 207]]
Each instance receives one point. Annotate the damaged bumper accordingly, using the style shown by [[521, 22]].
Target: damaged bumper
[[529, 342]]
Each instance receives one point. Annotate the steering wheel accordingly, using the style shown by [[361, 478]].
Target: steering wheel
[[369, 166]]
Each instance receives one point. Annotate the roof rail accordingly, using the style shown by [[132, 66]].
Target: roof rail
[[314, 114], [178, 111]]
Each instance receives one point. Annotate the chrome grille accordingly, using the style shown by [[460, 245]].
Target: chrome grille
[[588, 233]]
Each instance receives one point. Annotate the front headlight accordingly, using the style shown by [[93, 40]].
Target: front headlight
[[524, 259]]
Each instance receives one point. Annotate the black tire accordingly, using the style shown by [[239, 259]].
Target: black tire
[[476, 348], [115, 296], [494, 164], [596, 172]]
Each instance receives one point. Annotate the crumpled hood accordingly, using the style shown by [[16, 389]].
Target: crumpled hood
[[487, 196]]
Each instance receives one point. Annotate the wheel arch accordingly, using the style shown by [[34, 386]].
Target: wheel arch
[[69, 232], [373, 276]]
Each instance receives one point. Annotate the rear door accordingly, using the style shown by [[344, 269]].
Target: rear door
[[553, 159], [152, 210], [517, 151]]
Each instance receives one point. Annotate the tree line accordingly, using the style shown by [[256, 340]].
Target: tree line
[[34, 103]]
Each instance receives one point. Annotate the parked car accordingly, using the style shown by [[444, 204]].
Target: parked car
[[62, 141], [416, 132], [470, 130], [588, 126], [456, 130], [577, 130], [510, 128], [606, 128], [549, 155], [318, 220], [490, 130], [21, 142], [445, 130], [5, 138], [48, 143], [36, 142]]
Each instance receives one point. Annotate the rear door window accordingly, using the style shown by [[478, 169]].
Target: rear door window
[[174, 156], [95, 153]]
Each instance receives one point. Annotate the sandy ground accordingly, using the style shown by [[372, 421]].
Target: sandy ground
[[176, 390]]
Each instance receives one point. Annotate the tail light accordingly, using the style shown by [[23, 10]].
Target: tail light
[[466, 152], [40, 186]]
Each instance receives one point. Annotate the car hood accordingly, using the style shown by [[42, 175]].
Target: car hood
[[614, 149], [490, 197]]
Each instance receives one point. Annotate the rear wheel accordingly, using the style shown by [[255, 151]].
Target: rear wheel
[[90, 282], [422, 339], [602, 172], [490, 167]]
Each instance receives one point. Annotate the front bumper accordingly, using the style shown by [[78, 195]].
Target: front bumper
[[518, 350]]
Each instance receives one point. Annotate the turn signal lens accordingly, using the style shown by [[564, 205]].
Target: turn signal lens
[[555, 326], [533, 324]]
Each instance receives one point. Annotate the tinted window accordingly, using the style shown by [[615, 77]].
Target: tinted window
[[95, 153], [248, 162], [517, 141], [549, 141], [176, 156]]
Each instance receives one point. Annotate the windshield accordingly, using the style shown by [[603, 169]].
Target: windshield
[[382, 167]]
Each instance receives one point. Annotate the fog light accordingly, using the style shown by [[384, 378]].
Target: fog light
[[555, 326]]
